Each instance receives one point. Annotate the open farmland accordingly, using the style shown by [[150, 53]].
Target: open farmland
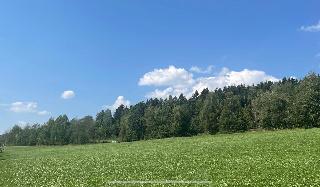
[[270, 158]]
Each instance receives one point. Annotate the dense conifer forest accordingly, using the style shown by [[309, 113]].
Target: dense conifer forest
[[289, 103]]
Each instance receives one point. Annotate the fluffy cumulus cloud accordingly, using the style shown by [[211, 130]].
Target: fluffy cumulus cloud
[[311, 28], [27, 107], [68, 94], [167, 77], [230, 78], [119, 101], [223, 78], [247, 77]]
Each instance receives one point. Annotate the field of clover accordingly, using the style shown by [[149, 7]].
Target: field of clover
[[270, 158]]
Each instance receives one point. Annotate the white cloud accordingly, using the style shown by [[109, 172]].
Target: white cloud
[[170, 76], [230, 78], [43, 113], [119, 101], [247, 77], [209, 82], [197, 69], [311, 28], [25, 107], [68, 94], [177, 81], [224, 78]]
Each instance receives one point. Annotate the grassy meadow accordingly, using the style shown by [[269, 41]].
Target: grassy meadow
[[266, 158]]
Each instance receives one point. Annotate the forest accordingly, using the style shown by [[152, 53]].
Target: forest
[[289, 103]]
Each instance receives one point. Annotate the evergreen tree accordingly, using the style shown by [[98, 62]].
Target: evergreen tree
[[285, 104], [181, 120], [209, 114], [306, 105], [104, 125], [230, 118], [271, 110]]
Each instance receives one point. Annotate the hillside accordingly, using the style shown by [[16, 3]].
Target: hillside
[[272, 158]]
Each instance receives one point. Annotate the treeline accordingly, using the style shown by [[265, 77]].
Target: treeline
[[289, 103]]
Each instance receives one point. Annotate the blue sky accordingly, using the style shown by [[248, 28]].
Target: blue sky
[[137, 49]]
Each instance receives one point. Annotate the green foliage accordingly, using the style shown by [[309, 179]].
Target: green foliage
[[181, 119], [132, 124], [288, 103], [271, 110], [306, 105], [209, 114], [231, 115], [158, 122], [104, 125]]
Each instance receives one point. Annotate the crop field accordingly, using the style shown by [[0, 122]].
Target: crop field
[[270, 158]]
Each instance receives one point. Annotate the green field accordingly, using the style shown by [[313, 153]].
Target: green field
[[271, 158]]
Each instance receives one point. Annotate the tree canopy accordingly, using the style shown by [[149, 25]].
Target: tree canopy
[[289, 103]]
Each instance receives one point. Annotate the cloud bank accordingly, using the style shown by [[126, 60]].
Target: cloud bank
[[174, 81]]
